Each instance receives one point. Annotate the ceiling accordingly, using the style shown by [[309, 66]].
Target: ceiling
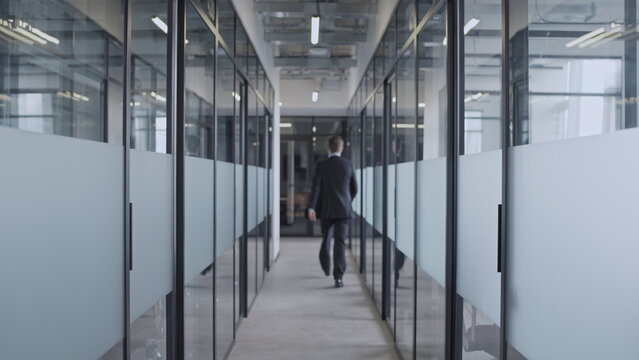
[[287, 26]]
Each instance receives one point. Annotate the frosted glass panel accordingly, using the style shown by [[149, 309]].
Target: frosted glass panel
[[225, 207], [431, 223], [368, 194], [405, 205], [572, 248], [358, 198], [478, 194], [199, 215], [239, 200], [152, 198], [62, 247], [252, 197], [261, 194], [391, 201], [378, 174]]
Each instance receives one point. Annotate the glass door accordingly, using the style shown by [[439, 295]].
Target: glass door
[[151, 184], [479, 185], [62, 253], [403, 156], [431, 187], [251, 168], [225, 213], [199, 195]]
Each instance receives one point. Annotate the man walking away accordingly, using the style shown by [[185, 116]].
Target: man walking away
[[333, 190]]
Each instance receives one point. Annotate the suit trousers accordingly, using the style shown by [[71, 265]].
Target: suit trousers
[[338, 228]]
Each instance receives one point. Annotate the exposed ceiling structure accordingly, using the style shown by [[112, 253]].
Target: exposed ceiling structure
[[287, 26]]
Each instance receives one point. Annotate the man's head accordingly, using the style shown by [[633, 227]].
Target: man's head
[[335, 145]]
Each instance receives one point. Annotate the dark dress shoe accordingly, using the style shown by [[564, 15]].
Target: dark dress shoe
[[339, 283]]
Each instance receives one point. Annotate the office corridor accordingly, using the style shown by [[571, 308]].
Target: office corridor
[[300, 315]]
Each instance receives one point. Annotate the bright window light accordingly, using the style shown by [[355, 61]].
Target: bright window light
[[422, 105], [160, 24], [470, 25], [315, 24], [315, 96]]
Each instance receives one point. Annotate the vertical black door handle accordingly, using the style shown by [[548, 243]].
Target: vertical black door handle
[[130, 236], [499, 238]]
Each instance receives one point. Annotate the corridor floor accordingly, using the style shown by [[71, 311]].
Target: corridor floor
[[300, 315]]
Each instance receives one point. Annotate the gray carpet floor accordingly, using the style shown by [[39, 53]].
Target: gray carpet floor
[[300, 315]]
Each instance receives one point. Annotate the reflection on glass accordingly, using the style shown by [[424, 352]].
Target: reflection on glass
[[209, 8], [241, 48], [252, 161], [406, 21], [482, 77], [260, 192], [482, 131], [568, 70], [149, 47], [148, 334], [378, 195], [431, 188], [199, 92], [423, 6], [403, 155], [238, 155], [226, 23], [225, 211], [368, 189], [61, 68]]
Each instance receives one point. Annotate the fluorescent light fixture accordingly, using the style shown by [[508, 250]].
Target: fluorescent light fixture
[[475, 97], [315, 96], [73, 96], [158, 97], [585, 37], [422, 105], [394, 99], [45, 36], [286, 125], [160, 24], [408, 126], [237, 96], [315, 24], [9, 31], [470, 25], [30, 35], [602, 38], [24, 32], [279, 104], [615, 35]]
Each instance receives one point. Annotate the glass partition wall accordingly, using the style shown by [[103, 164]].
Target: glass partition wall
[[142, 203], [497, 144]]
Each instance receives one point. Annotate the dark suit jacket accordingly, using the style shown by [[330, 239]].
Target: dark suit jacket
[[333, 190]]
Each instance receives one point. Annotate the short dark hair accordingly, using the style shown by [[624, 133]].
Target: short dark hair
[[335, 143]]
